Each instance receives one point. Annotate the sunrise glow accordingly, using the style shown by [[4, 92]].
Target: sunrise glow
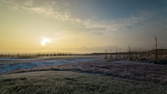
[[44, 41], [93, 26]]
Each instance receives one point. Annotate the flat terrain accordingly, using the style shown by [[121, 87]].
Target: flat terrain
[[8, 65], [88, 77], [123, 69], [66, 82]]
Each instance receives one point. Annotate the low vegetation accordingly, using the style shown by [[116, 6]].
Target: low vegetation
[[65, 82]]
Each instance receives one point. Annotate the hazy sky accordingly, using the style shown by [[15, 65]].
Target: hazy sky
[[81, 25]]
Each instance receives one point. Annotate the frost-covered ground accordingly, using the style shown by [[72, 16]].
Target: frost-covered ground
[[13, 64], [85, 76], [135, 70], [142, 71], [66, 82]]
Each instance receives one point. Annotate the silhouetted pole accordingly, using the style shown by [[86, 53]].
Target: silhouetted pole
[[156, 49]]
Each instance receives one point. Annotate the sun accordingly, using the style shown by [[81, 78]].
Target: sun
[[45, 41]]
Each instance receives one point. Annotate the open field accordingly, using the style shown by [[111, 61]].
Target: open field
[[8, 65], [11, 60], [123, 69], [87, 77], [66, 82]]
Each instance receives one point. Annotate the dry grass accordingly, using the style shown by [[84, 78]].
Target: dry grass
[[65, 82], [120, 77], [124, 69]]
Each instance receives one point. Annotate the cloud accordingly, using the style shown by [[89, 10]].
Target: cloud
[[59, 10], [54, 9], [136, 30]]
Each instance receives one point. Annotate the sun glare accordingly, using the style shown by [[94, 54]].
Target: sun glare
[[45, 41]]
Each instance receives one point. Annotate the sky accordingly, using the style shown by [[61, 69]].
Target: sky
[[81, 25]]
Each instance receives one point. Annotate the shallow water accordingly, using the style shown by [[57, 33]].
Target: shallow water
[[6, 68]]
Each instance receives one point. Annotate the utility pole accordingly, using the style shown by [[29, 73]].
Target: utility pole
[[156, 49]]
